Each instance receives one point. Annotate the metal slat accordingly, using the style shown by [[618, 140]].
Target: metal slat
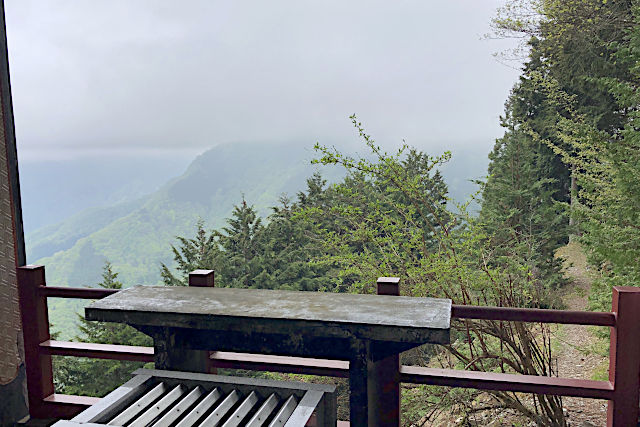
[[202, 407], [216, 416], [305, 408], [242, 411], [285, 412], [111, 405], [181, 399], [159, 407], [181, 408], [132, 411], [260, 417]]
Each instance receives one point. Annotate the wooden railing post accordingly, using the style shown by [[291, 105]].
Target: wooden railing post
[[624, 358], [384, 373], [35, 329], [204, 279]]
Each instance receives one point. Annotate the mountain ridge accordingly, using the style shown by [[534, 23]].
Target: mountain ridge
[[135, 235], [139, 239]]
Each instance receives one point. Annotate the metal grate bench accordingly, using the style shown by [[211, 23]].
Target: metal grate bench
[[169, 398]]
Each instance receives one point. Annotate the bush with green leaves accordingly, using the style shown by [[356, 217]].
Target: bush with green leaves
[[396, 223]]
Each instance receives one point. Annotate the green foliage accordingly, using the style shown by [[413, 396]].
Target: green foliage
[[522, 208], [593, 47], [391, 219], [200, 252], [247, 254], [242, 244], [290, 245], [440, 400]]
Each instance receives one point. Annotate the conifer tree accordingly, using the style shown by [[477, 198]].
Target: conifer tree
[[290, 245], [199, 252], [524, 197], [241, 241]]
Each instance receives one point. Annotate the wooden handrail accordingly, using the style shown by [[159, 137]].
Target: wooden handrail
[[621, 390], [69, 292], [97, 351], [340, 368], [507, 382], [534, 315]]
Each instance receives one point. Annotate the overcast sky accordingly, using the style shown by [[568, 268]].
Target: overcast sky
[[150, 76]]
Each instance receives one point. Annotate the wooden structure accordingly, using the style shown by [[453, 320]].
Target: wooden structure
[[621, 390], [186, 322], [181, 399], [13, 405]]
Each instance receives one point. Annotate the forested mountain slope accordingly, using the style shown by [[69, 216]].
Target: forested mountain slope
[[136, 236], [52, 190]]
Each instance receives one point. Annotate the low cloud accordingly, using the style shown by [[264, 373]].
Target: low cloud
[[165, 75]]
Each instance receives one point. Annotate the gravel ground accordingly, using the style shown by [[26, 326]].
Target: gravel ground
[[574, 358], [575, 353]]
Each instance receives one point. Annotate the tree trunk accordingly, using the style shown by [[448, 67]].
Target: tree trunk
[[573, 203]]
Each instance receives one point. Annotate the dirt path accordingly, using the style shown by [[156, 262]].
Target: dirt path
[[576, 358], [578, 350]]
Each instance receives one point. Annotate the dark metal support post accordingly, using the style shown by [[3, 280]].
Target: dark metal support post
[[358, 381], [201, 360], [624, 358], [374, 376], [35, 329], [384, 372]]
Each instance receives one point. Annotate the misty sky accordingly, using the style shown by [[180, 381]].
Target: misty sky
[[150, 76]]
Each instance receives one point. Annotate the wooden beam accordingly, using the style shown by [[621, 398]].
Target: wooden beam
[[98, 351], [507, 382]]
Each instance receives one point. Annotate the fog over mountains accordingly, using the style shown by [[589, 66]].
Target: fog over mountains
[[80, 213], [130, 211]]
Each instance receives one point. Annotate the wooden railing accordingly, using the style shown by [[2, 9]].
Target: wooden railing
[[622, 389]]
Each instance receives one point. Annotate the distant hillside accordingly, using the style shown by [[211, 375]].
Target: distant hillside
[[136, 236], [62, 236], [54, 190]]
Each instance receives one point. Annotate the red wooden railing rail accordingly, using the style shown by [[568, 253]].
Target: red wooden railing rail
[[622, 389]]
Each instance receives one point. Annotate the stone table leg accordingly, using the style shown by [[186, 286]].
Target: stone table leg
[[358, 375], [383, 386], [170, 353], [374, 386]]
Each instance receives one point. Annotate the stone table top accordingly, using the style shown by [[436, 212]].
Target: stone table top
[[377, 317]]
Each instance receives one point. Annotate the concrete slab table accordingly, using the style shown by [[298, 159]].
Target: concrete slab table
[[185, 322]]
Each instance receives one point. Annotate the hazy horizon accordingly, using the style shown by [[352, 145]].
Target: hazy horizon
[[151, 78]]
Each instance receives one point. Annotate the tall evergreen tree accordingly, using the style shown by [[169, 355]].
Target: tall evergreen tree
[[290, 252], [200, 252], [519, 209], [242, 242], [525, 196]]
